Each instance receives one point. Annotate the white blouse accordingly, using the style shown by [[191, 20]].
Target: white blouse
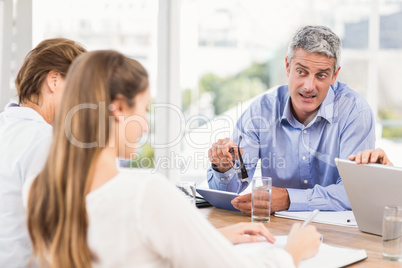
[[25, 139], [139, 219]]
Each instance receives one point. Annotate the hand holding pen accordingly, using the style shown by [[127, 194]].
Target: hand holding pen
[[310, 218], [303, 240]]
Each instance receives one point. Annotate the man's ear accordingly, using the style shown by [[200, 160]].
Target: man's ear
[[287, 64], [335, 76], [117, 107], [53, 80]]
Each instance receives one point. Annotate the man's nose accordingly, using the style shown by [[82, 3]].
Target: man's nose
[[309, 83]]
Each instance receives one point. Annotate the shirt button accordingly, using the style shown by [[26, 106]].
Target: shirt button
[[305, 181], [304, 131], [303, 157]]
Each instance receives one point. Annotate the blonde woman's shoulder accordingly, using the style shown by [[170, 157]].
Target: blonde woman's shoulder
[[141, 178], [134, 173]]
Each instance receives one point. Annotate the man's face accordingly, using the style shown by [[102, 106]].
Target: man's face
[[310, 76]]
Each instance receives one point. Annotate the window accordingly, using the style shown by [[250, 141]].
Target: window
[[129, 26], [230, 52], [233, 51]]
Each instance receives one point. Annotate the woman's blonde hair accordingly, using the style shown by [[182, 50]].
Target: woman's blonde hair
[[54, 54], [57, 217]]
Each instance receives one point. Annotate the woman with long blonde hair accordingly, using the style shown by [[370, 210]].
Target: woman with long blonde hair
[[83, 211]]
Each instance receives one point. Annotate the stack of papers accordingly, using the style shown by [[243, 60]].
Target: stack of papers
[[327, 256], [341, 218]]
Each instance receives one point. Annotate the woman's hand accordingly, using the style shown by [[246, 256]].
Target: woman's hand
[[247, 232], [303, 243]]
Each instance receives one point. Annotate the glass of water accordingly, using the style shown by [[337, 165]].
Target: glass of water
[[261, 199], [187, 188], [392, 233]]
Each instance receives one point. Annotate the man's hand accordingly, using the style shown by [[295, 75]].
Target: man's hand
[[371, 156], [247, 232], [243, 203], [279, 201], [219, 154]]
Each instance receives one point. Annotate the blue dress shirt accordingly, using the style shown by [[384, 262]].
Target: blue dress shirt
[[297, 157]]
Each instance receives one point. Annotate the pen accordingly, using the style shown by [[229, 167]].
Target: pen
[[310, 218]]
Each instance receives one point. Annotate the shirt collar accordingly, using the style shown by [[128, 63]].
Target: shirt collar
[[326, 110], [14, 110], [287, 113]]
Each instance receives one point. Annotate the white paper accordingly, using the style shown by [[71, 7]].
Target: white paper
[[327, 256], [341, 218]]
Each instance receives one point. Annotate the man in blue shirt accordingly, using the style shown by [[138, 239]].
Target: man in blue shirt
[[297, 130]]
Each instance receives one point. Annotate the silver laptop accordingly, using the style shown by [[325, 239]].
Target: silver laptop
[[369, 188]]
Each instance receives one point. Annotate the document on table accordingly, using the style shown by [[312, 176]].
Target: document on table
[[342, 218], [327, 256]]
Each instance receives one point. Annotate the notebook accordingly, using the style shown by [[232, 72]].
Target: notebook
[[341, 218], [370, 188], [327, 256], [219, 199], [201, 202]]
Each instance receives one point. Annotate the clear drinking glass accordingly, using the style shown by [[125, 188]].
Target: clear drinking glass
[[261, 188], [391, 233]]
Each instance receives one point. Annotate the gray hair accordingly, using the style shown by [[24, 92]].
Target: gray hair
[[317, 39]]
